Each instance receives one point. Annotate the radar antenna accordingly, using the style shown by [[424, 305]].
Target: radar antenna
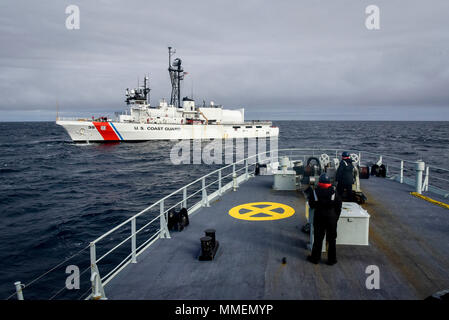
[[139, 95]]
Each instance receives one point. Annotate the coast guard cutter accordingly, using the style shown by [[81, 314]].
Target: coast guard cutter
[[179, 119]]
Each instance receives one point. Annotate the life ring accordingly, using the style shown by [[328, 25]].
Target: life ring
[[324, 159], [336, 162], [354, 157]]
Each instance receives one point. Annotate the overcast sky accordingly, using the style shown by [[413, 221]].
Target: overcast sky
[[278, 59]]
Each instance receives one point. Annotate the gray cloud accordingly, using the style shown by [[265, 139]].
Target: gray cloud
[[278, 59]]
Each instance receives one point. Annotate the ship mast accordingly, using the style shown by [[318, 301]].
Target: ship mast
[[176, 75], [146, 89]]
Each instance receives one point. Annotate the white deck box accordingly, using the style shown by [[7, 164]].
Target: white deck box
[[353, 225], [352, 228]]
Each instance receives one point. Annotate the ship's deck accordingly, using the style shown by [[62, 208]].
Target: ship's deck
[[409, 242]]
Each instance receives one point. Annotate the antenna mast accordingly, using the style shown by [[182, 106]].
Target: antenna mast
[[176, 75], [146, 89]]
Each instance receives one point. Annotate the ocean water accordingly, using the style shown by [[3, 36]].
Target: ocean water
[[57, 196]]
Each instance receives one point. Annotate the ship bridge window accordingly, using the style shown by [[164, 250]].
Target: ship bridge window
[[236, 127], [249, 127], [258, 126]]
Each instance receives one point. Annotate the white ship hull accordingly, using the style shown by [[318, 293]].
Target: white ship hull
[[92, 131]]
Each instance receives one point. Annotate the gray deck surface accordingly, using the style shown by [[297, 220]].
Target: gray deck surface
[[409, 242]]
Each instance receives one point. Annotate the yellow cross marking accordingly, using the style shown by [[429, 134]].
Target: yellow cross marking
[[255, 213]]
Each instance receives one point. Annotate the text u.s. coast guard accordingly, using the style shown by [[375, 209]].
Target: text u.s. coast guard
[[168, 128]]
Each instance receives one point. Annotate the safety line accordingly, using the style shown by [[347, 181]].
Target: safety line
[[438, 203], [47, 272]]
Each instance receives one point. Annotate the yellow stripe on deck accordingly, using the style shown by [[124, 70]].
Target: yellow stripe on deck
[[438, 203]]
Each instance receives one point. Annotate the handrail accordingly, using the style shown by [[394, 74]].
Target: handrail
[[170, 195]]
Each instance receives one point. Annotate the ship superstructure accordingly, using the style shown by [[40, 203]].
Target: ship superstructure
[[177, 119]]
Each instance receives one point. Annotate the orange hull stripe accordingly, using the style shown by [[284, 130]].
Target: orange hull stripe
[[106, 131]]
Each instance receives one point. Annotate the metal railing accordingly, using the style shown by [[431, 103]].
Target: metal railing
[[73, 119], [201, 197], [202, 191]]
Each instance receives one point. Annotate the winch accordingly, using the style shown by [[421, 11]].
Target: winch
[[306, 173]]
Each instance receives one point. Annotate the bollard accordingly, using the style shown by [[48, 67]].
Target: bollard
[[206, 249], [209, 246], [19, 290], [211, 233], [419, 167]]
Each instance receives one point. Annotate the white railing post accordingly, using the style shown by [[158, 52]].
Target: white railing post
[[425, 186], [401, 178], [234, 179], [419, 167], [246, 169], [360, 158], [95, 279], [205, 199], [19, 291], [184, 197], [164, 229], [133, 240], [274, 156], [93, 255], [219, 182]]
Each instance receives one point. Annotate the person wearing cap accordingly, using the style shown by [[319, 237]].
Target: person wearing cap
[[345, 175], [327, 208]]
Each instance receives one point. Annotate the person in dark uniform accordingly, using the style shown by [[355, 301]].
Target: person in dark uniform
[[327, 208], [345, 176]]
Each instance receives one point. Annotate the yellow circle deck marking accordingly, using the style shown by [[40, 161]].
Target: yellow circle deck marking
[[255, 213]]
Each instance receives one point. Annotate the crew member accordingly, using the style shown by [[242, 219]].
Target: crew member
[[327, 208], [345, 176]]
